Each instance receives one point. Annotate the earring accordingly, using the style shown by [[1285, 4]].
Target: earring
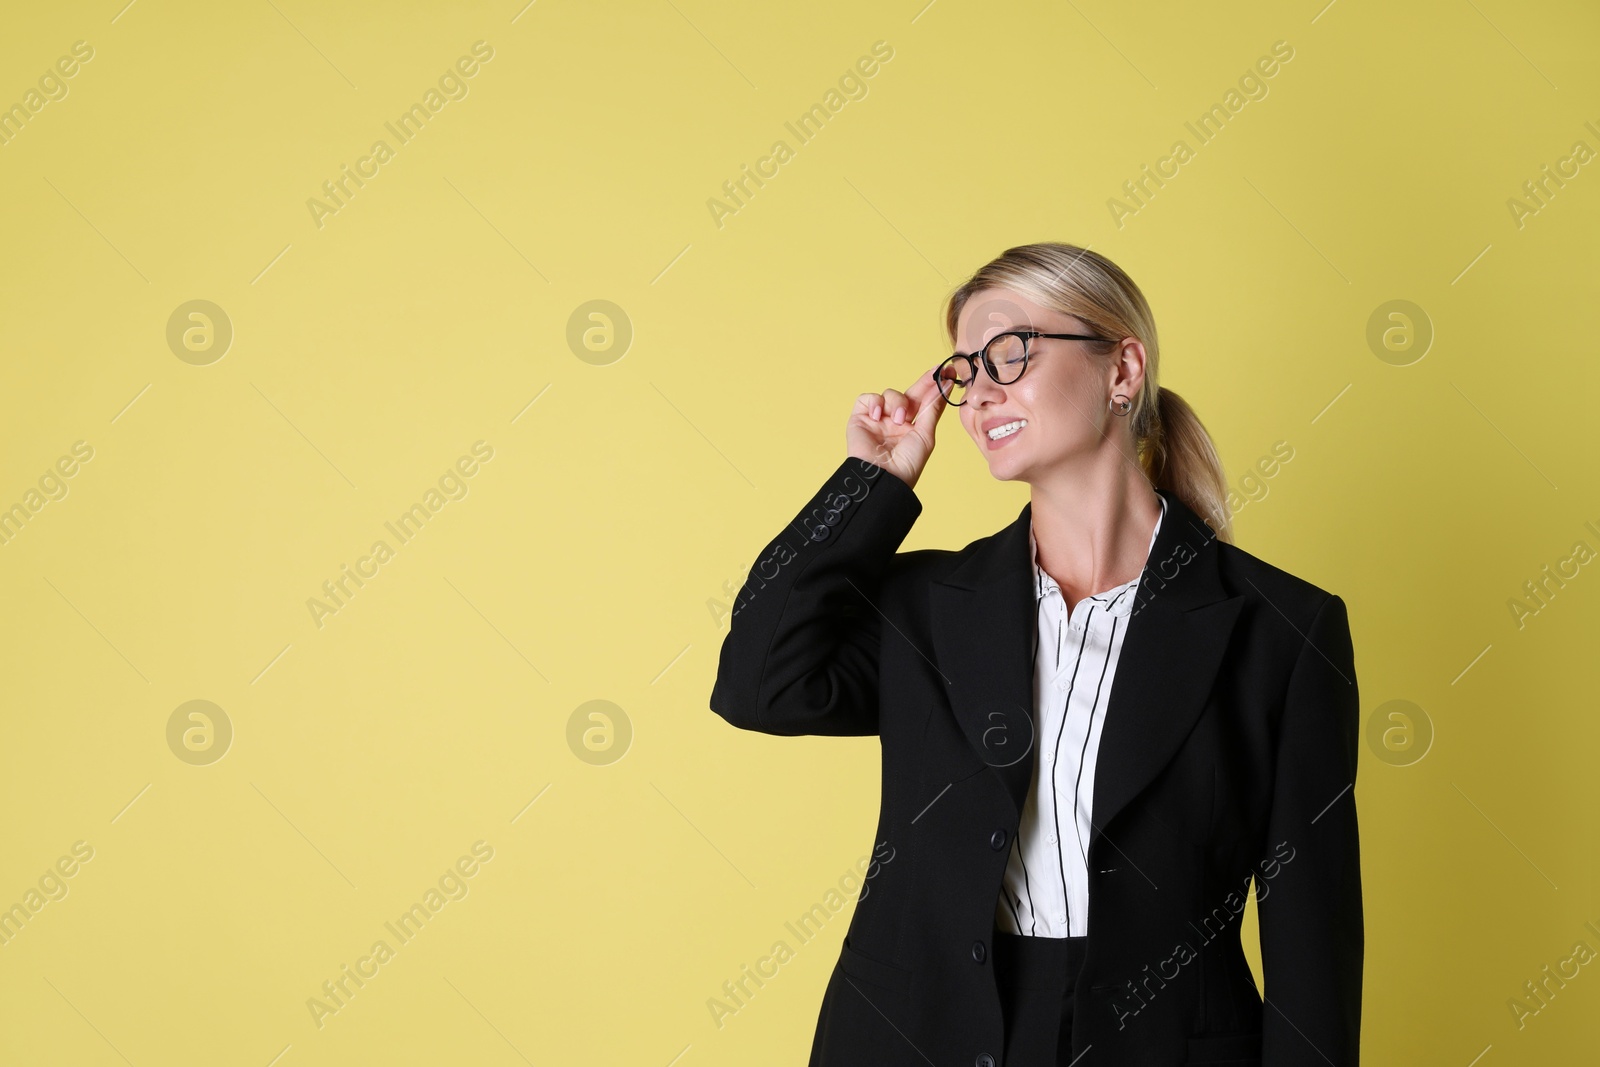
[[1120, 405]]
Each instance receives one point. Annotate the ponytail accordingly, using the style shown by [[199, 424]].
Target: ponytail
[[1178, 455]]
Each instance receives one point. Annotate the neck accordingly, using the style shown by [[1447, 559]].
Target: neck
[[1092, 528]]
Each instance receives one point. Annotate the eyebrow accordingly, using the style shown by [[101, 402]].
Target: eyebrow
[[1016, 329], [991, 337]]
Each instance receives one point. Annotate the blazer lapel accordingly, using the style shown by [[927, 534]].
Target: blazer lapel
[[984, 617], [982, 624]]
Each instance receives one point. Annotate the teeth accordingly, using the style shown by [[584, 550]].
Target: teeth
[[1007, 430]]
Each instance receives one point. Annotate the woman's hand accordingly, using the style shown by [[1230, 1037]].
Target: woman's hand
[[894, 429]]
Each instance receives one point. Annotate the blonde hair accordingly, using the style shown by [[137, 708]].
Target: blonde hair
[[1175, 451]]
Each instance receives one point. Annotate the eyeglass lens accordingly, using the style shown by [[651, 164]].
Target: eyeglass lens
[[1007, 355]]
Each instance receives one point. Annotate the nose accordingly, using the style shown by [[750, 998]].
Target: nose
[[984, 390]]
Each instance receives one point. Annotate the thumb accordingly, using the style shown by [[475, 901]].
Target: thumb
[[930, 403]]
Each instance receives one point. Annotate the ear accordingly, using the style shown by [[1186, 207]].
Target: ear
[[1127, 367]]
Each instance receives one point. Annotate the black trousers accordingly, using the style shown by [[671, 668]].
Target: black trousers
[[1036, 977]]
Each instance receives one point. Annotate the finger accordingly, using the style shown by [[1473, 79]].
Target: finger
[[930, 400], [896, 406], [869, 406], [926, 388], [925, 381]]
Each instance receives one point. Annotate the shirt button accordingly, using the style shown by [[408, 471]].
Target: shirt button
[[978, 951], [997, 840], [1050, 838], [984, 1060]]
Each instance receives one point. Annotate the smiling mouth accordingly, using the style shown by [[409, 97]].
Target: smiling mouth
[[1007, 430]]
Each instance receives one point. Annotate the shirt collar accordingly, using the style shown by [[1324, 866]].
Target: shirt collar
[[1119, 600]]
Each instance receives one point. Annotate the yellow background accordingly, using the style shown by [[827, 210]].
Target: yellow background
[[625, 495]]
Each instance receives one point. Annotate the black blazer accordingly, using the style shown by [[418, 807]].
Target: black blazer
[[1228, 750]]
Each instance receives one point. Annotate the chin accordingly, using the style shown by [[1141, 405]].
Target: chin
[[1005, 467]]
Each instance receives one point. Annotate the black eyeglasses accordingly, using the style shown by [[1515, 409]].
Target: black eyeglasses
[[1005, 357]]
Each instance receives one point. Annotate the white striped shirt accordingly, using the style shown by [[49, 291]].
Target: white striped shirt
[[1046, 889]]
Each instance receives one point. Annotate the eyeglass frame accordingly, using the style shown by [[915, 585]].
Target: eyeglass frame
[[988, 363]]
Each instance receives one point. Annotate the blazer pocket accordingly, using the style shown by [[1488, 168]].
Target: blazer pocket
[[873, 971], [1225, 1050]]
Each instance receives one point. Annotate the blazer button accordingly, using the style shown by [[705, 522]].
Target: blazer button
[[997, 840], [978, 951], [985, 1060]]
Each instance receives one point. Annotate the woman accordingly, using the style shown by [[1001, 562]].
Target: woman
[[1098, 724]]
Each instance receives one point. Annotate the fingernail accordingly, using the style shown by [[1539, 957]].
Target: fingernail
[[899, 415]]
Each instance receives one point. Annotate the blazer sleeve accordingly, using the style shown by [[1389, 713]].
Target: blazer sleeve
[[801, 652], [1312, 937]]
